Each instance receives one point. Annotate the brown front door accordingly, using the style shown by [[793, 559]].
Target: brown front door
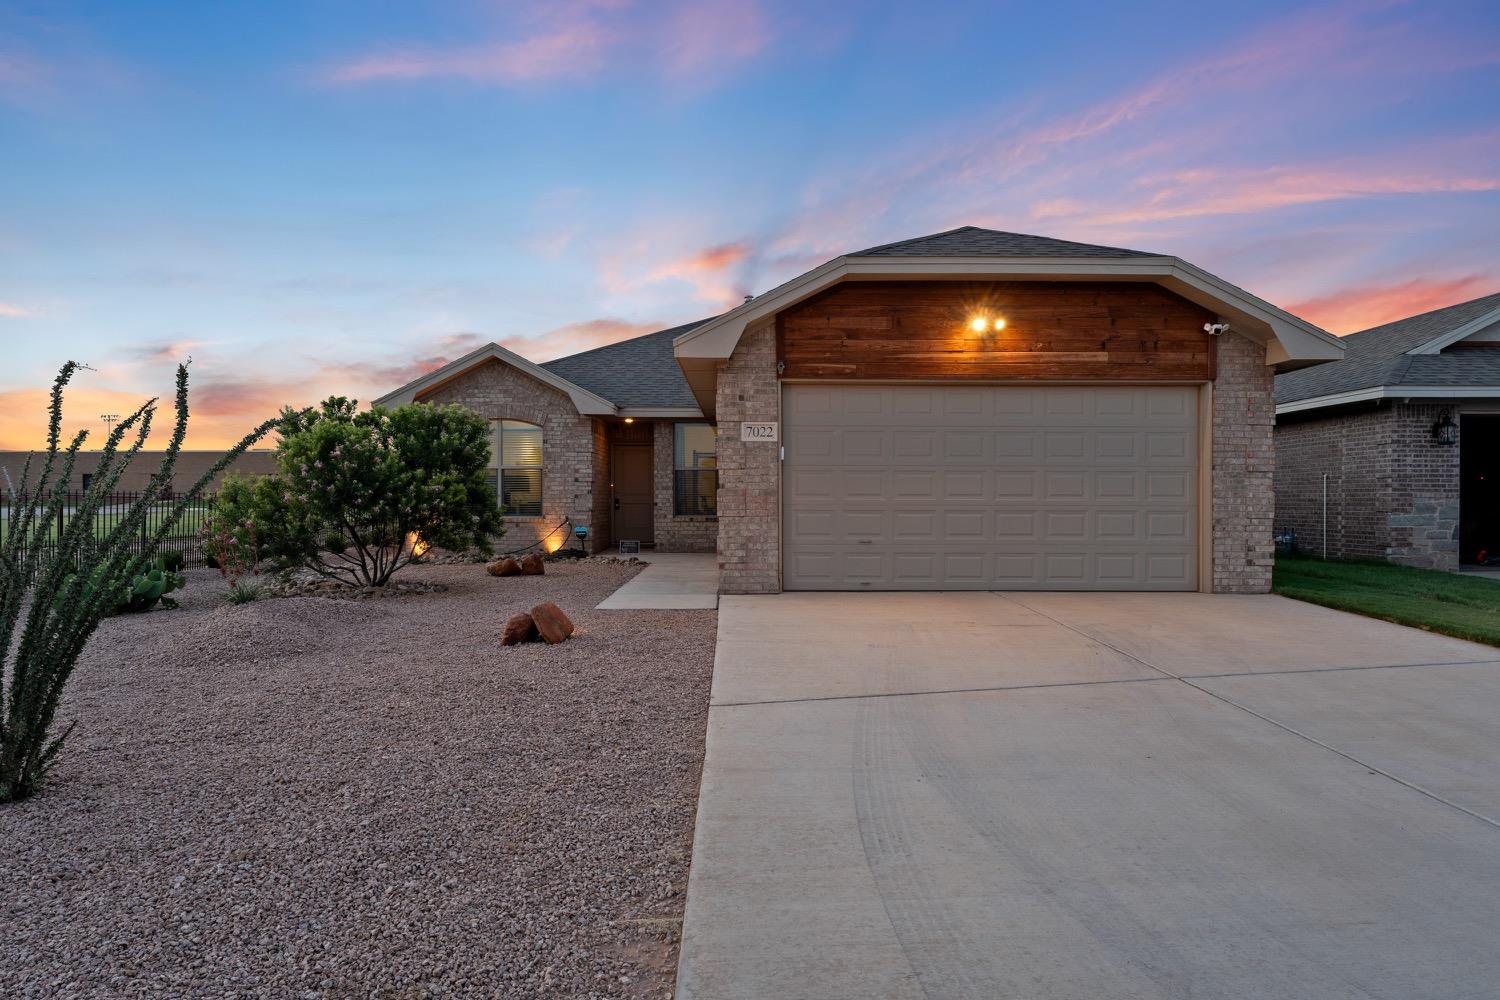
[[634, 500]]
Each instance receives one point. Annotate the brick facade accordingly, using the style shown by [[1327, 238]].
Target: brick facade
[[498, 392], [1353, 451], [1393, 493], [674, 533], [1244, 463], [749, 472]]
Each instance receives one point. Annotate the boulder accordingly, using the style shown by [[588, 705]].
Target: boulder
[[551, 623], [519, 627], [504, 567], [532, 565]]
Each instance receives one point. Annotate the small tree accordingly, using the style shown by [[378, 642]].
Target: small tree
[[355, 490], [65, 585]]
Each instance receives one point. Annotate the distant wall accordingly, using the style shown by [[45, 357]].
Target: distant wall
[[190, 465]]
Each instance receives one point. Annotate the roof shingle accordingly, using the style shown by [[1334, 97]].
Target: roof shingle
[[1377, 357], [641, 371], [971, 241]]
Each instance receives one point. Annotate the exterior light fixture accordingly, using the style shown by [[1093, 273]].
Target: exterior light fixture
[[1445, 431], [979, 324], [999, 323], [630, 420]]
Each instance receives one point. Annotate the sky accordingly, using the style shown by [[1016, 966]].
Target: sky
[[317, 198]]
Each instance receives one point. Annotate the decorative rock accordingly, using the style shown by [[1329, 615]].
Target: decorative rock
[[532, 565], [504, 567], [519, 627], [553, 625]]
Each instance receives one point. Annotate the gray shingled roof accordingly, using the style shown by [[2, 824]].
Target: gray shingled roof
[[641, 371], [1378, 357], [971, 241]]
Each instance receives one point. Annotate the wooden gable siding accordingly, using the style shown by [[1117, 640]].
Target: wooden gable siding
[[1100, 330]]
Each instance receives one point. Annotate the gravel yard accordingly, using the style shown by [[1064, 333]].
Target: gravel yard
[[334, 798]]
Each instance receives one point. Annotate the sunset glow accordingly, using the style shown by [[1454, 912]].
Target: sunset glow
[[336, 198]]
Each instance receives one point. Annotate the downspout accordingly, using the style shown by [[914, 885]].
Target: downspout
[[1325, 517]]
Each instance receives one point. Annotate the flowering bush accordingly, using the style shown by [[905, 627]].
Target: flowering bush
[[354, 488]]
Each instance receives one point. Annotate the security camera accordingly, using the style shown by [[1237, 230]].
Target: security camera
[[1215, 329]]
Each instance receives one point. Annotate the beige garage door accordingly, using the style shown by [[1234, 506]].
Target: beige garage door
[[922, 487]]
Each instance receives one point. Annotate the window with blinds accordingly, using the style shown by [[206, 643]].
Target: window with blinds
[[695, 486], [517, 461]]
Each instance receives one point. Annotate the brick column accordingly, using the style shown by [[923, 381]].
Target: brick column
[[749, 472], [1244, 462]]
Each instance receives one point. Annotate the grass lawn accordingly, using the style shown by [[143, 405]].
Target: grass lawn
[[1465, 607]]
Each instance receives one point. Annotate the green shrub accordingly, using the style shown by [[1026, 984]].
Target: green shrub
[[245, 591], [173, 560], [355, 489], [67, 579]]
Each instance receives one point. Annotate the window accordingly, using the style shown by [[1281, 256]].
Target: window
[[517, 458], [695, 485]]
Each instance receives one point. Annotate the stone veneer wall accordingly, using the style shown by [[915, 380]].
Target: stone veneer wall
[[1354, 450], [1393, 493], [673, 533], [498, 392], [1244, 465], [749, 472], [1424, 492]]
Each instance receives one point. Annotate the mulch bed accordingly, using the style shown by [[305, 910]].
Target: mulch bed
[[314, 797]]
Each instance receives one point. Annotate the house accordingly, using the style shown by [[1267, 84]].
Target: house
[[969, 410], [1392, 452]]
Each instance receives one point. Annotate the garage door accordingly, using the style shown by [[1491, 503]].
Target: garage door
[[921, 487]]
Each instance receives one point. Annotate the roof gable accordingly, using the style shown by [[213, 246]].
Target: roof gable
[[587, 402]]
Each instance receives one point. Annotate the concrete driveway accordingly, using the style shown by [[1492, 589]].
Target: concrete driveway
[[1040, 796]]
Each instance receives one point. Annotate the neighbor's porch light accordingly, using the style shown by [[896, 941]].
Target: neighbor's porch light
[[1445, 431]]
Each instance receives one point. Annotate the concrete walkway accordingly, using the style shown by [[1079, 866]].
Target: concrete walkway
[[1047, 796], [673, 580]]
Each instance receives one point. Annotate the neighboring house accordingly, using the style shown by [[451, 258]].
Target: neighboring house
[[1406, 430], [972, 410]]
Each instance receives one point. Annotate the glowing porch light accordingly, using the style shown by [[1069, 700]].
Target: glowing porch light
[[979, 324], [630, 420]]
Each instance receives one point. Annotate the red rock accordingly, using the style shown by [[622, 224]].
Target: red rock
[[504, 567], [519, 627], [532, 565], [553, 625]]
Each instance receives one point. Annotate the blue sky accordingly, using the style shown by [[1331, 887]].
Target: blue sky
[[331, 197]]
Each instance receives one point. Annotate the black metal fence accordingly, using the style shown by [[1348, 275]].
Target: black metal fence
[[185, 536]]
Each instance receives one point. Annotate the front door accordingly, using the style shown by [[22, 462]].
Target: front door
[[634, 499]]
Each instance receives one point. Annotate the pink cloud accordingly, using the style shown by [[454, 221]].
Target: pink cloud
[[13, 311], [1203, 192], [1349, 310], [580, 40], [575, 337]]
